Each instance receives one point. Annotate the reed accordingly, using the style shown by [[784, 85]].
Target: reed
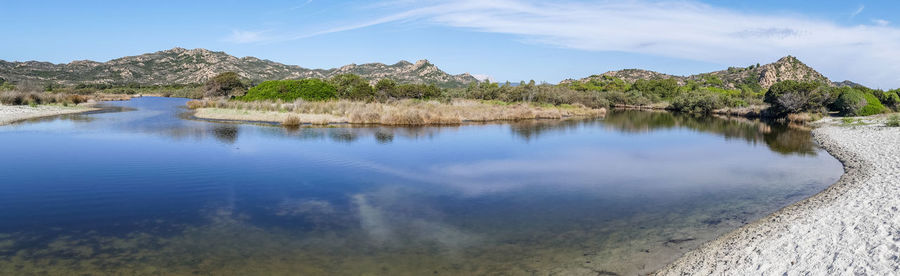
[[36, 98], [291, 120], [399, 112]]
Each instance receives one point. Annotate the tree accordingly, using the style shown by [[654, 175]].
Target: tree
[[849, 102], [225, 85], [889, 98], [793, 96], [354, 87], [384, 89]]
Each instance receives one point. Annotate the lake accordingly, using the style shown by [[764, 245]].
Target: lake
[[142, 188]]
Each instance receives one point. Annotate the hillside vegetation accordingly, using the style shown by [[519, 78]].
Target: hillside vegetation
[[196, 66]]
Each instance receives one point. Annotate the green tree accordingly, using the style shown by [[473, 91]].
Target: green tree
[[889, 98], [353, 87], [793, 96], [855, 102], [849, 102], [225, 85], [384, 89]]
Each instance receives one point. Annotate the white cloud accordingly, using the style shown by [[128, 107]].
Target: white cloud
[[240, 36], [857, 11], [869, 54], [881, 22]]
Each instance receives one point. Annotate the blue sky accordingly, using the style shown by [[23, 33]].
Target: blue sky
[[507, 40]]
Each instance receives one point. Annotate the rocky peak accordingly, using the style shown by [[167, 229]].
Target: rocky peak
[[632, 75], [182, 66], [788, 68], [422, 62], [785, 68]]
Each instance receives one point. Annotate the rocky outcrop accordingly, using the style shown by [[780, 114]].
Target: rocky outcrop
[[183, 66], [763, 76]]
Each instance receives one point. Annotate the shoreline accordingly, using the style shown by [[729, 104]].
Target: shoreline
[[10, 114], [853, 226]]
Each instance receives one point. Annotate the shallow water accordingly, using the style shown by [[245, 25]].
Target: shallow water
[[145, 191]]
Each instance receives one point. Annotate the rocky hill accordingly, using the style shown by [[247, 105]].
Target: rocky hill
[[762, 76], [183, 66]]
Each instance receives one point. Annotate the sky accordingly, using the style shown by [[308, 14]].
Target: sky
[[505, 39]]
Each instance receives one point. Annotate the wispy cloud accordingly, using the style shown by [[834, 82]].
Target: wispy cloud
[[307, 2], [678, 29], [881, 22], [857, 11], [241, 36]]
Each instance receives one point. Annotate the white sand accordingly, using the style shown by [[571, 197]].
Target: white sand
[[13, 113], [852, 227]]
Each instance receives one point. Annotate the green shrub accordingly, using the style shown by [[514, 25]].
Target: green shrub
[[849, 102], [893, 121], [853, 102], [225, 84], [697, 101], [353, 87], [388, 89], [890, 98], [290, 90], [793, 96], [6, 86], [873, 106]]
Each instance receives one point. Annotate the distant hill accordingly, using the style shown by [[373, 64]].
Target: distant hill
[[183, 66], [762, 76]]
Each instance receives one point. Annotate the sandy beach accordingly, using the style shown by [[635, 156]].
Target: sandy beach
[[14, 113], [852, 227]]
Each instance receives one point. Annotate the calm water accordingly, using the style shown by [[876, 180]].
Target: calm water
[[145, 191]]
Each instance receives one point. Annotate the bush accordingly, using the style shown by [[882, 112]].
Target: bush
[[893, 121], [225, 85], [873, 106], [416, 91], [852, 102], [6, 86], [849, 102], [793, 96], [290, 90], [354, 87], [291, 121], [890, 98], [700, 101]]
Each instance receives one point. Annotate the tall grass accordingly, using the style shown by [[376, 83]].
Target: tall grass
[[405, 112], [36, 98]]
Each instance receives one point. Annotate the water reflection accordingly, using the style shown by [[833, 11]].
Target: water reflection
[[147, 192], [225, 133], [778, 137]]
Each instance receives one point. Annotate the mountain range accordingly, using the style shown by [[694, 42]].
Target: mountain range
[[184, 66]]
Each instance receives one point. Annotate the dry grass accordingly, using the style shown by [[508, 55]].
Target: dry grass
[[36, 98], [801, 118], [291, 120], [40, 98], [403, 112]]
